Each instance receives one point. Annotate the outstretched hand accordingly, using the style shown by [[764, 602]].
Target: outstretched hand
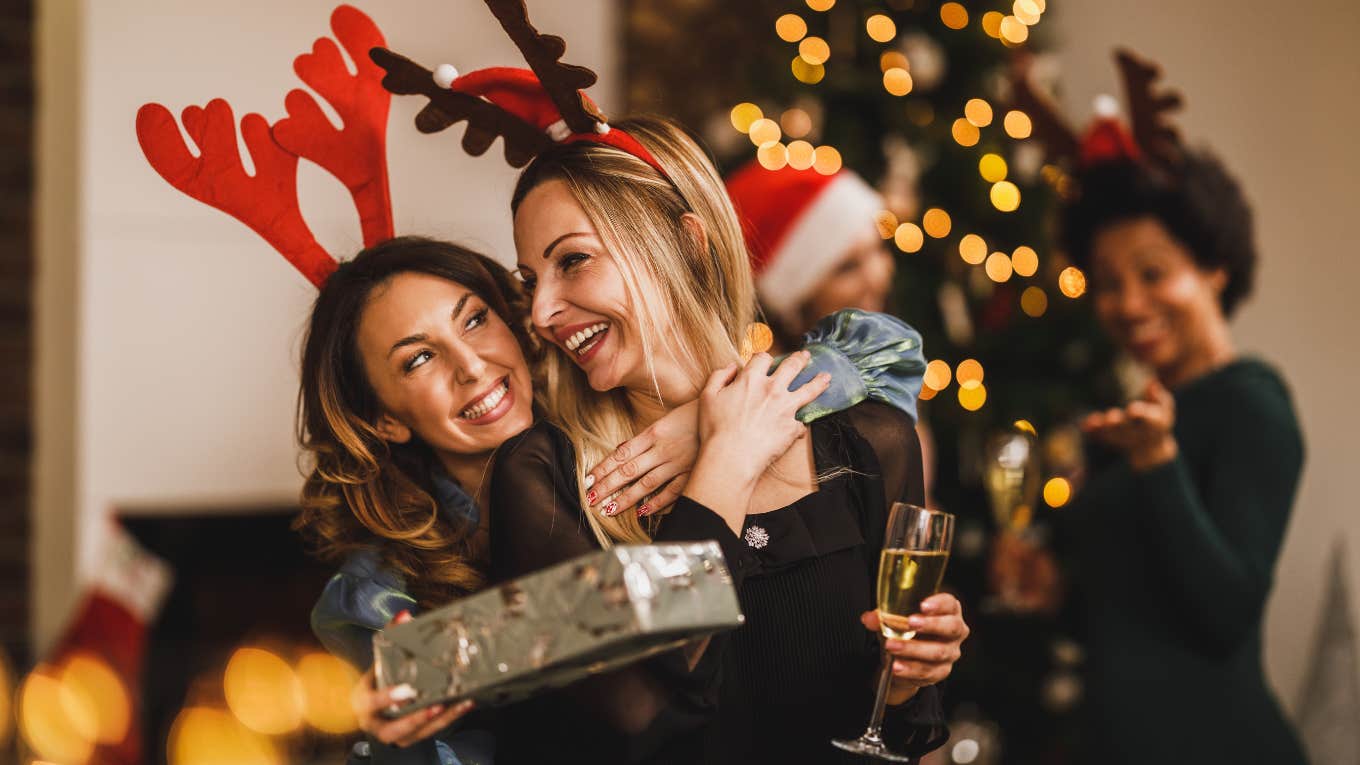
[[1141, 430]]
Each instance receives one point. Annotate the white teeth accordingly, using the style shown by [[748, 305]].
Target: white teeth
[[487, 403], [577, 339]]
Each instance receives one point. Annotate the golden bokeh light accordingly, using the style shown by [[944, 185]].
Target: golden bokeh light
[[927, 393], [1025, 260], [886, 223], [95, 699], [744, 115], [1005, 196], [327, 682], [978, 112], [814, 50], [880, 28], [263, 691], [773, 155], [1034, 301], [1017, 124], [992, 168], [808, 74], [827, 161], [991, 23], [965, 132], [763, 131], [972, 398], [1057, 492], [938, 374], [969, 372], [206, 736], [892, 59], [999, 267], [821, 5], [6, 701], [937, 223], [973, 249], [1026, 11], [801, 155], [954, 15], [790, 27], [1025, 426], [897, 81], [796, 123], [909, 237], [1012, 31], [45, 720], [1072, 282]]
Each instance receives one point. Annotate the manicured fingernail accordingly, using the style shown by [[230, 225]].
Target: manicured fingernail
[[591, 496], [642, 511], [590, 480], [403, 692], [915, 622], [610, 508]]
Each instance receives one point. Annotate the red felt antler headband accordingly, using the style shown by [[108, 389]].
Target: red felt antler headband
[[267, 202], [531, 109]]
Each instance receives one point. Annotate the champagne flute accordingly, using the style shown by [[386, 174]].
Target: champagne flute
[[910, 568], [1010, 474]]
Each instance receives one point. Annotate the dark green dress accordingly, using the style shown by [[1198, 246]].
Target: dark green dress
[[1175, 565]]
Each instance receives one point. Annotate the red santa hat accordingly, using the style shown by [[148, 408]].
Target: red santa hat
[[798, 226]]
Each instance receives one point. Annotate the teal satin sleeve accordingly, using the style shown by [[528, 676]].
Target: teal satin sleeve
[[358, 600], [869, 356]]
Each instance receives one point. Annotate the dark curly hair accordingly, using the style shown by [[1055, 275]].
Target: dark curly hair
[[1202, 206], [361, 491]]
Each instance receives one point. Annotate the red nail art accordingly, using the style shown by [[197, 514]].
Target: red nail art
[[590, 496], [642, 511], [611, 508]]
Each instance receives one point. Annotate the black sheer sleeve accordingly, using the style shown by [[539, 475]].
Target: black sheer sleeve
[[894, 460], [537, 521]]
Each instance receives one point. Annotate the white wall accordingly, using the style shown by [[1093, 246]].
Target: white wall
[[1271, 87], [186, 324]]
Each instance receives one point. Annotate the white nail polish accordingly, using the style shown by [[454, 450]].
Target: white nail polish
[[403, 692], [590, 480]]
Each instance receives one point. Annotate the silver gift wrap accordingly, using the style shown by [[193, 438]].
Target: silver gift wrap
[[556, 626]]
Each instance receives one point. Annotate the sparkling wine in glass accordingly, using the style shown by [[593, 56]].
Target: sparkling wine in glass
[[910, 567], [1010, 473]]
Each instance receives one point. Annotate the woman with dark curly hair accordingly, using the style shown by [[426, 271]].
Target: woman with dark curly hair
[[1177, 531]]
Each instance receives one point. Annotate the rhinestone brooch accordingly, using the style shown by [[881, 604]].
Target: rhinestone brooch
[[756, 537]]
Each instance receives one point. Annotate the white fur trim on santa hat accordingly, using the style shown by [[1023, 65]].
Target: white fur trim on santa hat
[[840, 215]]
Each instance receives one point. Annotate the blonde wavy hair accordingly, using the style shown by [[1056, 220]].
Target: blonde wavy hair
[[693, 295]]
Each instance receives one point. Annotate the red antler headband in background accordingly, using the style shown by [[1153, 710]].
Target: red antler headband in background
[[267, 202], [531, 109]]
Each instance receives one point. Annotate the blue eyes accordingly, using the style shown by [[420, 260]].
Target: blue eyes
[[419, 358]]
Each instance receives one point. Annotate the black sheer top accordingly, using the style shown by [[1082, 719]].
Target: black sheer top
[[798, 673]]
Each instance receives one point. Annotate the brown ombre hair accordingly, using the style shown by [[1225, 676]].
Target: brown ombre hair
[[362, 491]]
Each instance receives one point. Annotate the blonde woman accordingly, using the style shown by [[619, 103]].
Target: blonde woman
[[641, 295]]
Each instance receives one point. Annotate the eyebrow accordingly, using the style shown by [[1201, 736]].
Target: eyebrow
[[421, 336], [547, 251]]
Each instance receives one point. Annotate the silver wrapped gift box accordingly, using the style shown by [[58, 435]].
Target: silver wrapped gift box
[[556, 626]]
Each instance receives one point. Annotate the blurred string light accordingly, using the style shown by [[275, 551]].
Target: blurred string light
[[1072, 282], [45, 721], [893, 60], [1025, 426], [790, 27], [1005, 196], [978, 112], [973, 249], [827, 160], [969, 373], [897, 81], [999, 267], [263, 692], [744, 115], [773, 155], [763, 131], [965, 132], [954, 15], [808, 74], [973, 398], [326, 685], [207, 736], [1017, 124], [1057, 491], [1025, 260], [909, 237], [1012, 31], [937, 223], [795, 122], [991, 23], [880, 28], [801, 155], [938, 375], [821, 5], [65, 712], [814, 50], [992, 168], [1034, 301], [886, 222], [1026, 12]]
